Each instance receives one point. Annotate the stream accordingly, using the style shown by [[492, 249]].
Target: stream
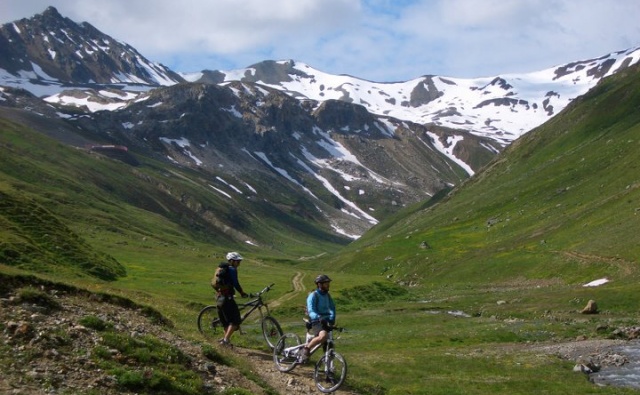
[[627, 375]]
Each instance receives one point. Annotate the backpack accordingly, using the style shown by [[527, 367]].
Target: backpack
[[221, 279]]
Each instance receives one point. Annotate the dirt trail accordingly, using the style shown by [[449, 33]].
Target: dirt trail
[[298, 288], [300, 380], [297, 382]]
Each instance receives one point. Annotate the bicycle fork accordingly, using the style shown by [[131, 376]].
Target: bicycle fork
[[329, 368]]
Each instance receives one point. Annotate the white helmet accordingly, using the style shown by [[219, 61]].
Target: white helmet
[[234, 256]]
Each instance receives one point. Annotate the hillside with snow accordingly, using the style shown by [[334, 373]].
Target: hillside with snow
[[499, 107]]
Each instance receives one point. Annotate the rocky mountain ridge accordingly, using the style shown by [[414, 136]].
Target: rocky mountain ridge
[[501, 108], [51, 49]]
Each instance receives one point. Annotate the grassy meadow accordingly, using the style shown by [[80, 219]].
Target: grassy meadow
[[400, 340], [451, 296]]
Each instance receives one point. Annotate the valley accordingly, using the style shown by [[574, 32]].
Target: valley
[[462, 257]]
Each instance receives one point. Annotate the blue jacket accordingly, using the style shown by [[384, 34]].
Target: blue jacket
[[320, 306]]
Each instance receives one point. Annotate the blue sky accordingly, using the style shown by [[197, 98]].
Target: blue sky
[[378, 40]]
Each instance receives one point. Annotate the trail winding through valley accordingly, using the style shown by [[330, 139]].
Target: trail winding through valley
[[298, 288]]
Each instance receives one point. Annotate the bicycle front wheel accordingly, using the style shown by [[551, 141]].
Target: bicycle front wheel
[[209, 323], [330, 372], [285, 352], [271, 330]]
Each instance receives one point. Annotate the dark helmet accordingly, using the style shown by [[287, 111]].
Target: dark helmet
[[323, 278]]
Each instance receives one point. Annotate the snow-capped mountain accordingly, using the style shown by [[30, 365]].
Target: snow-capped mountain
[[501, 107], [335, 150], [49, 61], [48, 53]]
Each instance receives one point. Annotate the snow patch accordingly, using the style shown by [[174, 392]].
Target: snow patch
[[596, 283]]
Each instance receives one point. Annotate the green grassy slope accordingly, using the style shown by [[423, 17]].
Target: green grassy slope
[[71, 199], [563, 202]]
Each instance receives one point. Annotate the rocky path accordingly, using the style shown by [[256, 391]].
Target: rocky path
[[298, 381], [45, 351]]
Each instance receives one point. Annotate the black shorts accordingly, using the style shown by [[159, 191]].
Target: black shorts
[[228, 311], [316, 327]]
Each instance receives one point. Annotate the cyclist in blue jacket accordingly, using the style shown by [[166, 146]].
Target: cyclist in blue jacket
[[322, 313]]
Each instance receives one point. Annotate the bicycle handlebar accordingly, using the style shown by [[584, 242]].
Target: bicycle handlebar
[[265, 289]]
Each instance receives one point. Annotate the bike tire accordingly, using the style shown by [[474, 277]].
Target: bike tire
[[209, 323], [330, 373], [271, 331], [286, 361]]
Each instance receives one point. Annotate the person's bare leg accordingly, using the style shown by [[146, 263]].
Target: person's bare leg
[[229, 332], [317, 340]]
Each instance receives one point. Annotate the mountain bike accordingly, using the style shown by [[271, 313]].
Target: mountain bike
[[329, 372], [209, 323]]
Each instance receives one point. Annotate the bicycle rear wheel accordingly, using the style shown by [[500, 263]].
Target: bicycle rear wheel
[[271, 330], [330, 373], [285, 352], [208, 322]]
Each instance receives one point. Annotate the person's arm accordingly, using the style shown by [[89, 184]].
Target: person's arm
[[311, 308], [234, 280], [332, 310]]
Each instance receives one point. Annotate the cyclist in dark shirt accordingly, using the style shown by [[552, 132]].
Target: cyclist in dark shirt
[[228, 310]]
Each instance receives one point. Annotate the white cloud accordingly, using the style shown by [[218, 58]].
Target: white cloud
[[379, 40]]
